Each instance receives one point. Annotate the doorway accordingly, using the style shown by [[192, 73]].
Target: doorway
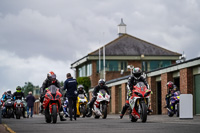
[[177, 82], [197, 94], [159, 100]]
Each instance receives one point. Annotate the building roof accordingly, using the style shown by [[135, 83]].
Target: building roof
[[127, 45]]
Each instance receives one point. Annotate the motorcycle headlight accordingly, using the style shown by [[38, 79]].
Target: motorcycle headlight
[[49, 96], [57, 96], [138, 94], [146, 94]]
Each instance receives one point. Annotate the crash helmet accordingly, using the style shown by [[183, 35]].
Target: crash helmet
[[80, 87], [19, 89], [170, 85], [137, 72], [8, 91], [49, 75], [101, 83]]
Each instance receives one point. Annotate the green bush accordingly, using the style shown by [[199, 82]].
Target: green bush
[[85, 81]]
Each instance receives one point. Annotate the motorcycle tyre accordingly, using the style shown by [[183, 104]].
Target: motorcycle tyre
[[18, 113], [170, 114], [47, 116], [104, 111], [83, 110], [54, 113], [143, 115]]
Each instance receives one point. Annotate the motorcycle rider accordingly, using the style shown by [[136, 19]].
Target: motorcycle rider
[[101, 85], [81, 90], [132, 81], [7, 96], [50, 80], [170, 86], [18, 95]]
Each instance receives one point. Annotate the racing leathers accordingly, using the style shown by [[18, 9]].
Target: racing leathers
[[132, 81], [95, 91]]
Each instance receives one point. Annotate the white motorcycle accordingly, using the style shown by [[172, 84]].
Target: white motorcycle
[[101, 104]]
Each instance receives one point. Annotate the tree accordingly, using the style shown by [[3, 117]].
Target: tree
[[28, 87], [85, 81]]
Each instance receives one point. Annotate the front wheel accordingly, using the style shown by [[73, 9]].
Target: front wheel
[[18, 113], [54, 113], [83, 110], [143, 114], [104, 111]]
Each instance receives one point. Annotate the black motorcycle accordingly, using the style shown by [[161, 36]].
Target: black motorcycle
[[9, 109]]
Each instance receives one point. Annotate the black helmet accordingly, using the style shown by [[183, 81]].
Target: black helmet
[[8, 91], [18, 89], [101, 82], [137, 72]]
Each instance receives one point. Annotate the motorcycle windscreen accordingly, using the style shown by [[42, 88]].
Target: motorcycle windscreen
[[102, 92], [141, 85], [53, 89], [81, 96]]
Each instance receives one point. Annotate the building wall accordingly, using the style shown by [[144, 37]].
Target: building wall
[[186, 81], [164, 79], [136, 63], [95, 76], [153, 104]]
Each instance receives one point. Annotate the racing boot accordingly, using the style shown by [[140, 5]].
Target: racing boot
[[125, 107], [121, 116], [41, 109], [62, 119], [89, 112], [149, 111]]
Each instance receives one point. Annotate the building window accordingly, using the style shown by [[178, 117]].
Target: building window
[[152, 65], [85, 70], [89, 69], [112, 65]]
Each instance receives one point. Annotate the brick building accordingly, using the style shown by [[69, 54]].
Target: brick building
[[123, 51], [185, 75]]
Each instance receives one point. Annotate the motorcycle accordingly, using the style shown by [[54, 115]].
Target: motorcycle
[[9, 109], [81, 105], [19, 108], [139, 102], [174, 104], [101, 104], [65, 107], [52, 103]]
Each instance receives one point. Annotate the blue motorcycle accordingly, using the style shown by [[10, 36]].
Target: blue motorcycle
[[174, 104], [66, 107]]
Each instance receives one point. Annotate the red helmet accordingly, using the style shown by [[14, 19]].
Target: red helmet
[[170, 84], [49, 75]]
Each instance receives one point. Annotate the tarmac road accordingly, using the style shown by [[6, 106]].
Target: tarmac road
[[154, 124]]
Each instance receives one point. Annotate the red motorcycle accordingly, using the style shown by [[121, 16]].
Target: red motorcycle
[[19, 108], [139, 102], [52, 103]]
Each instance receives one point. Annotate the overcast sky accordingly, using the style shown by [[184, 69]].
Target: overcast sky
[[37, 36]]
